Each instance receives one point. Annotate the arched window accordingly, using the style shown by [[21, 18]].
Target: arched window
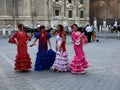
[[81, 14], [56, 0], [57, 12], [81, 1], [70, 1], [70, 13]]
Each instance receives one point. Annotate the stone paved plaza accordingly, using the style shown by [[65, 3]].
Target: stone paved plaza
[[103, 73]]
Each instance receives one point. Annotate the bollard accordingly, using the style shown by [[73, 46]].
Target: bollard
[[118, 34], [107, 28], [4, 32], [100, 28], [9, 33]]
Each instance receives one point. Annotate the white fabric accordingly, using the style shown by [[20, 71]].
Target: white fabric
[[59, 41], [89, 29], [61, 62]]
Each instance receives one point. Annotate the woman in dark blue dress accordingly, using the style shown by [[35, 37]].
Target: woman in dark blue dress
[[45, 58]]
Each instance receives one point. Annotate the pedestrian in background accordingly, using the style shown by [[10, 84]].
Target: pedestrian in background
[[89, 30]]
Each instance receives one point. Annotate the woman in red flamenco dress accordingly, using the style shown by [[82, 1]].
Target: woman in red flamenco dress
[[20, 38]]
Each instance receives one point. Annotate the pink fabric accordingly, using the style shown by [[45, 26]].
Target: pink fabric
[[79, 62]]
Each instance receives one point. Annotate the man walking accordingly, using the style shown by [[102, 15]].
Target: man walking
[[89, 30]]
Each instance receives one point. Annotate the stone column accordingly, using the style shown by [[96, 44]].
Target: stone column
[[48, 11], [9, 29], [64, 8], [104, 23], [95, 23], [100, 28], [118, 9], [15, 13], [4, 32], [5, 7]]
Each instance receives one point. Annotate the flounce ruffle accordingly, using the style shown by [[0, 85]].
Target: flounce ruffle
[[61, 62], [78, 64], [44, 61], [22, 62]]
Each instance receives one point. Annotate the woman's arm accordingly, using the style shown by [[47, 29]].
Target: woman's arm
[[33, 42], [84, 40], [73, 37], [49, 43], [63, 37], [53, 33], [28, 38], [13, 39], [37, 35]]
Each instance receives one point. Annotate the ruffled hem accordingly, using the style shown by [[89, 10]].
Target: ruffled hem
[[23, 66], [41, 67], [22, 63], [23, 56], [45, 61], [61, 65], [61, 62], [78, 65], [55, 68]]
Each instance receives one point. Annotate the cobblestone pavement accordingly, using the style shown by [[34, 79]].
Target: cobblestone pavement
[[103, 73]]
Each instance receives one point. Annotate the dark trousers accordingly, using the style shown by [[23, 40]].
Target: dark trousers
[[89, 34]]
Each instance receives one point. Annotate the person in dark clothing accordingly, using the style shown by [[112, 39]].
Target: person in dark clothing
[[89, 30]]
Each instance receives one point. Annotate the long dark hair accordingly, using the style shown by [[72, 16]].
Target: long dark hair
[[62, 32], [81, 29], [41, 27], [20, 26], [61, 27], [45, 38]]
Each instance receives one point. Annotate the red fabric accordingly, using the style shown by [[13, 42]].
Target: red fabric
[[22, 61], [63, 47], [72, 26], [45, 41]]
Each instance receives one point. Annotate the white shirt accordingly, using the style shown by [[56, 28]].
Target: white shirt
[[89, 29]]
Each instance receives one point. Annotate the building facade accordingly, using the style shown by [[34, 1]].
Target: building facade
[[46, 12], [105, 10]]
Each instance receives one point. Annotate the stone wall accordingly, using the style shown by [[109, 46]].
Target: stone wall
[[105, 9], [34, 12]]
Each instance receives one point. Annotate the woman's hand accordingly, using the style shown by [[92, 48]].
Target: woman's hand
[[32, 45], [52, 32], [16, 43], [50, 47], [27, 42]]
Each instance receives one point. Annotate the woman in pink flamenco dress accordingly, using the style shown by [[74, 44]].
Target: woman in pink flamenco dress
[[79, 62], [20, 38]]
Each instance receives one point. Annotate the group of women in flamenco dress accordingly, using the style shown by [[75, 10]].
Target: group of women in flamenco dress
[[47, 58]]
